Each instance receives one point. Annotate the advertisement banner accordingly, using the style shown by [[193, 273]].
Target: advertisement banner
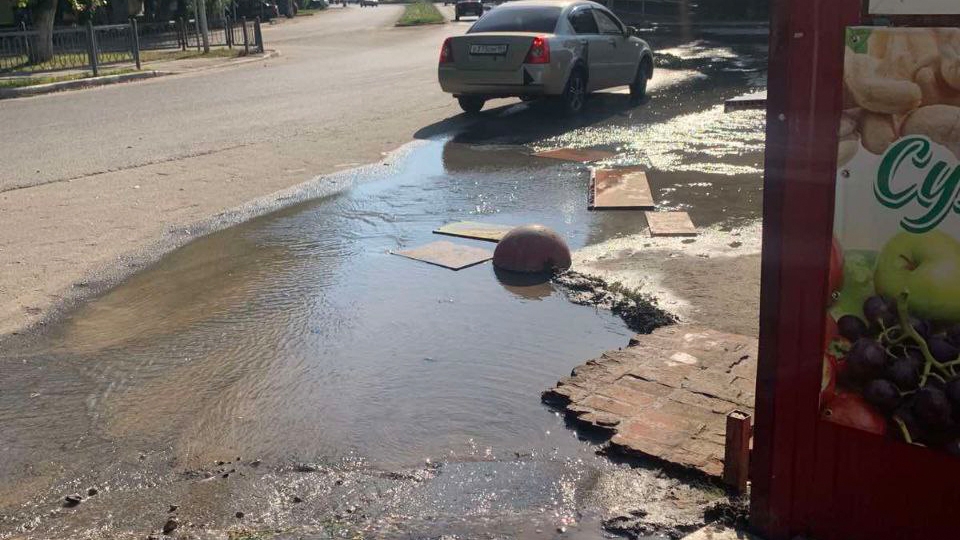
[[892, 349], [914, 7]]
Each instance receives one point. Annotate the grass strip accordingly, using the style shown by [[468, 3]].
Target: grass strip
[[20, 82], [420, 12], [162, 56]]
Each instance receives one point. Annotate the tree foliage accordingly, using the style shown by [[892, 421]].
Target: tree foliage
[[78, 6]]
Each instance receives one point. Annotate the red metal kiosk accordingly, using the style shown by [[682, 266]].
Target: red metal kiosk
[[812, 476]]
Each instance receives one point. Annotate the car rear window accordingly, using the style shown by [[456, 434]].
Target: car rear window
[[528, 19]]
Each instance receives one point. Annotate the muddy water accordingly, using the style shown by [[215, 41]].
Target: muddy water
[[297, 337]]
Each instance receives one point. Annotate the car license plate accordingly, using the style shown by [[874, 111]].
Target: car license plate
[[488, 49]]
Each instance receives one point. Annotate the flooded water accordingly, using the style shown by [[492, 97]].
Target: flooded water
[[298, 337]]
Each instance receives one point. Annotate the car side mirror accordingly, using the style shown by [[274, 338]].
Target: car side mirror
[[631, 31]]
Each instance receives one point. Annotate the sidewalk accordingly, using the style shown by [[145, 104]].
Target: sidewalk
[[123, 72], [667, 395], [720, 532]]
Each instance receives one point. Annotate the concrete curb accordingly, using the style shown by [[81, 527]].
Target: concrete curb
[[39, 89], [238, 62], [415, 25], [9, 93]]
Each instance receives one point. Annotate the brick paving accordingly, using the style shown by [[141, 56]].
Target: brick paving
[[667, 394]]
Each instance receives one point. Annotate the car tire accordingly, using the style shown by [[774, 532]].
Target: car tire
[[638, 88], [471, 104], [574, 94], [456, 17]]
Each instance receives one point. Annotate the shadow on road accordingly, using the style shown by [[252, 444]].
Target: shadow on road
[[523, 123]]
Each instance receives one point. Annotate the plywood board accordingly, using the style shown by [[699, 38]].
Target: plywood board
[[620, 189], [447, 254], [670, 224], [491, 232], [573, 154]]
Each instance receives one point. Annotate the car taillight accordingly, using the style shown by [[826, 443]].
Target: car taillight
[[446, 52], [539, 52]]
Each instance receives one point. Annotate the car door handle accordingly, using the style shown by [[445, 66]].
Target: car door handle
[[612, 41]]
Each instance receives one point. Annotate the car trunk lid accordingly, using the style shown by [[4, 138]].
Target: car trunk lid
[[491, 51]]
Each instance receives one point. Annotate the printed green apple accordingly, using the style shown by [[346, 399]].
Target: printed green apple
[[927, 266]]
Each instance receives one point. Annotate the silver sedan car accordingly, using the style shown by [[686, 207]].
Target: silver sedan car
[[535, 48]]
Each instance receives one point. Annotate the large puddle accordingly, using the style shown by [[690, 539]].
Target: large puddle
[[298, 337]]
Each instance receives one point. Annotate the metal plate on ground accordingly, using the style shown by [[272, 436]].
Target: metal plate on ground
[[447, 255], [754, 100], [491, 232], [620, 189], [574, 154], [670, 224], [623, 90]]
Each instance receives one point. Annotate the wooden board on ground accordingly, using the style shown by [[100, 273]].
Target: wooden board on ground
[[625, 188], [755, 100], [667, 395], [574, 154], [670, 224], [447, 255], [491, 232]]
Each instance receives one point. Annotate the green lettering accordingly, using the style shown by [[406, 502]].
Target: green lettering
[[938, 193], [916, 147]]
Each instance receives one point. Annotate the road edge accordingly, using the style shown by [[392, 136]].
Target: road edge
[[49, 88], [39, 89]]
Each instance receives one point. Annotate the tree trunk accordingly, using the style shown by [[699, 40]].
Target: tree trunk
[[43, 13], [119, 11], [162, 11]]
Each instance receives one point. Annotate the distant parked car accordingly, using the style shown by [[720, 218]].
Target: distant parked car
[[288, 8], [535, 48], [468, 7], [369, 3], [251, 9]]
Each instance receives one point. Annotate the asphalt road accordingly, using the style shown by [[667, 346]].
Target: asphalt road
[[343, 75], [95, 183]]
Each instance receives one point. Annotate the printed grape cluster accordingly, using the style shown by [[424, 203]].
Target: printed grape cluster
[[905, 367]]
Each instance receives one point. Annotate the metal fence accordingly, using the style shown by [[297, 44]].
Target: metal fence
[[89, 47], [114, 43], [22, 49], [224, 33], [158, 36]]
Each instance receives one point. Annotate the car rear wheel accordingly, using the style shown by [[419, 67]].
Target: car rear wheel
[[471, 104], [638, 89], [575, 93]]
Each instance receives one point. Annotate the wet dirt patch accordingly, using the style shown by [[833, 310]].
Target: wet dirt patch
[[638, 311], [712, 280]]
